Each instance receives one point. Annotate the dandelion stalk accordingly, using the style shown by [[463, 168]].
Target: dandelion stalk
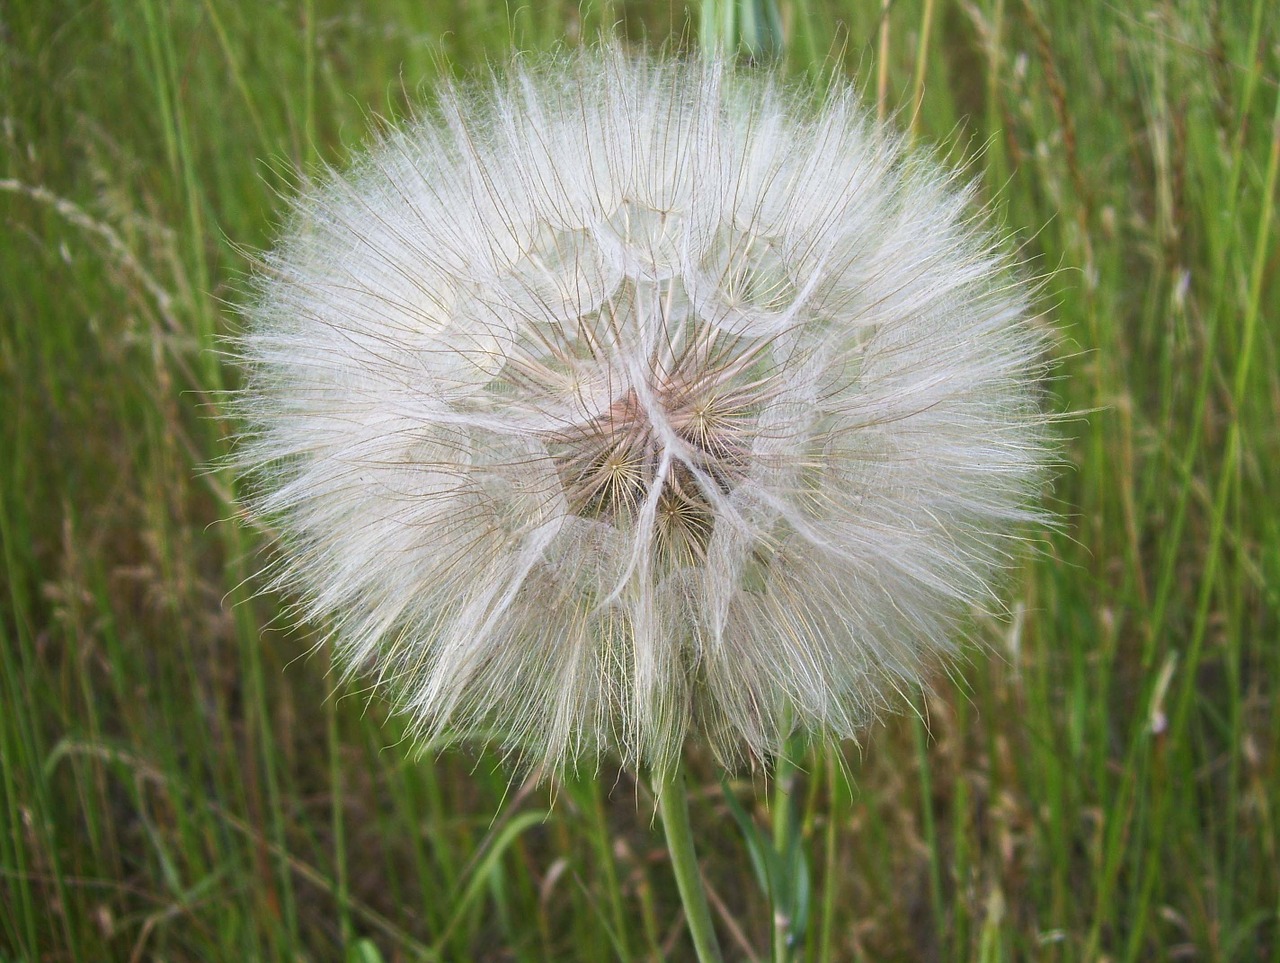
[[673, 804], [752, 27], [784, 771]]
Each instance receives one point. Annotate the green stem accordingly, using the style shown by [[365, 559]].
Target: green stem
[[673, 804], [750, 27], [783, 783]]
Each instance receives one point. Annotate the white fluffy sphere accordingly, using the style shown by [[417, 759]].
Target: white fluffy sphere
[[626, 401]]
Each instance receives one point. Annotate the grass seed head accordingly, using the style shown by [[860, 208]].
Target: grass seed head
[[627, 400]]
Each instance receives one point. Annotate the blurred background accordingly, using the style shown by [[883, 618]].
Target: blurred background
[[181, 777]]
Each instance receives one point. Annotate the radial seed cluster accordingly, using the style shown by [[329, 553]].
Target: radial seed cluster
[[626, 401]]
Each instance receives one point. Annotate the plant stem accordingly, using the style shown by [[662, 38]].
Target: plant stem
[[749, 27], [783, 782], [673, 804]]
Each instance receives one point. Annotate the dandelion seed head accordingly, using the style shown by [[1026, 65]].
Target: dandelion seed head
[[628, 401]]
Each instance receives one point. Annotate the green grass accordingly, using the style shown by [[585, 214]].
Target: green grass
[[179, 778]]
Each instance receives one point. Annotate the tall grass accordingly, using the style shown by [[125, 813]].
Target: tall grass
[[180, 777]]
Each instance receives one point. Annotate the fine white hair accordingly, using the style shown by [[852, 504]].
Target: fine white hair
[[624, 401]]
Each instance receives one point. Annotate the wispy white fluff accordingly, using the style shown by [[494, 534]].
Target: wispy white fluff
[[626, 401]]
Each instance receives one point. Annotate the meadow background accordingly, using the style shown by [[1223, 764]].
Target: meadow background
[[1099, 780]]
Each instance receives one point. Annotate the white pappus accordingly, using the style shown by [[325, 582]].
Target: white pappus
[[625, 401]]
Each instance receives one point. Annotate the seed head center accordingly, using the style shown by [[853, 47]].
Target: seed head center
[[612, 464]]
